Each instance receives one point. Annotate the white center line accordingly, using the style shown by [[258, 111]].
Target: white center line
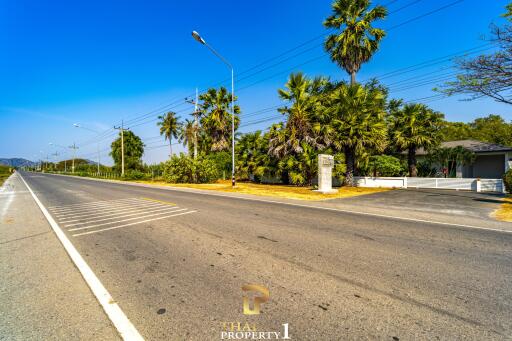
[[137, 222]]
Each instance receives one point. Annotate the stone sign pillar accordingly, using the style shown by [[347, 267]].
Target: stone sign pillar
[[325, 165]]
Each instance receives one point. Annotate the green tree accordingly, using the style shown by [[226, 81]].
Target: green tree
[[253, 160], [169, 127], [357, 40], [492, 128], [414, 126], [357, 118], [187, 134], [454, 131], [133, 151], [449, 158], [304, 116], [385, 165], [216, 119]]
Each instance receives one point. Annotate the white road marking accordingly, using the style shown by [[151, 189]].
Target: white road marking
[[94, 207], [88, 203], [122, 215], [137, 222], [106, 214], [126, 329], [106, 208], [81, 214], [123, 220]]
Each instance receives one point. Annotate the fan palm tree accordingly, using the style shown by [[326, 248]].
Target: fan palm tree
[[415, 126], [216, 117], [357, 118], [358, 40], [169, 127], [304, 115]]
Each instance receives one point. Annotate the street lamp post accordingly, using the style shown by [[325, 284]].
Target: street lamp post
[[199, 39], [77, 125]]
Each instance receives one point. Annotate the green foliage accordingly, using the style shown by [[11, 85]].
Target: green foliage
[[222, 161], [301, 168], [253, 161], [386, 165], [186, 169], [215, 134], [134, 174], [133, 151], [356, 114], [493, 129], [414, 126], [358, 40], [451, 157], [507, 180]]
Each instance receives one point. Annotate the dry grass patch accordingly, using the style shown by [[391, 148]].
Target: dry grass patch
[[504, 213], [282, 191]]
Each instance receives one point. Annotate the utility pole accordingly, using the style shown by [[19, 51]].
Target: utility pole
[[74, 147], [121, 128], [196, 121], [55, 154]]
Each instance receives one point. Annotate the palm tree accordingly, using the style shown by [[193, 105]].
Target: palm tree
[[169, 127], [216, 117], [188, 135], [304, 115], [358, 40], [357, 118], [415, 126]]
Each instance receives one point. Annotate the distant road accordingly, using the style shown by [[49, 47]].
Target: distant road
[[175, 263]]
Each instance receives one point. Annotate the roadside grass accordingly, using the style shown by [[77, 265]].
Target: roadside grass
[[282, 191], [4, 173], [504, 213]]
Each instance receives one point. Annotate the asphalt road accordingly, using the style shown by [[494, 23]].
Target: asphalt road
[[175, 262]]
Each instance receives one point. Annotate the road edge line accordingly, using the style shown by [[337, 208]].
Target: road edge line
[[124, 327]]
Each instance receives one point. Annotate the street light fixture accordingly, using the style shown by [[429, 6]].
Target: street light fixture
[[78, 125], [200, 40]]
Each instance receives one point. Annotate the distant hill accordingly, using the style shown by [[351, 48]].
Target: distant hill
[[17, 162]]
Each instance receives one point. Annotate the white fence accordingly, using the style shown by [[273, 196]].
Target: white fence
[[478, 185]]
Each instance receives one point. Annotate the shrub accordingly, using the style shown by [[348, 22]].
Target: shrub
[[507, 180], [186, 169], [386, 165], [133, 174]]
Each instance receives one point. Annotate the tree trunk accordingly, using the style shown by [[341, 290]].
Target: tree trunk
[[411, 160], [350, 163], [170, 146], [353, 78]]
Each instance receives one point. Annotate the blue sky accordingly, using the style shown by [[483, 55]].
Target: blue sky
[[98, 62]]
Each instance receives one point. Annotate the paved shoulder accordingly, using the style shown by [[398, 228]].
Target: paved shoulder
[[42, 295]]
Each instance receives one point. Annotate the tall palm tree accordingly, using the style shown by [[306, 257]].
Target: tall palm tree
[[216, 117], [169, 127], [415, 126], [357, 117], [188, 134], [303, 116], [358, 40]]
